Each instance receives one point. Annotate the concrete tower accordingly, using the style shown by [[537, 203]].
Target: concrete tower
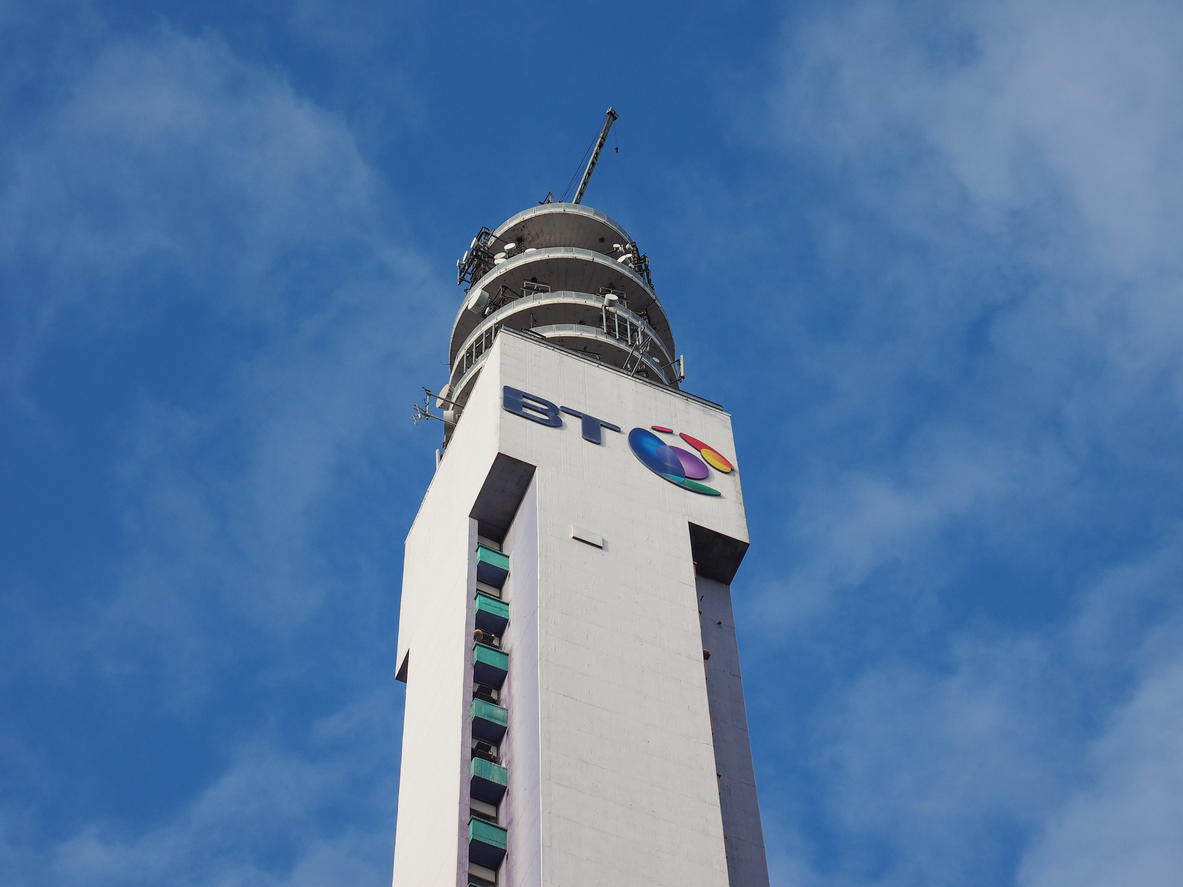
[[574, 709]]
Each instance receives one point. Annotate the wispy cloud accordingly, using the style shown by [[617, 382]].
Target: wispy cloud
[[1053, 130], [177, 181], [928, 767], [261, 821], [849, 527], [995, 533], [193, 210], [1125, 824]]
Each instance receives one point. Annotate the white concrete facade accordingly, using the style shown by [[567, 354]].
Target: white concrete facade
[[615, 774]]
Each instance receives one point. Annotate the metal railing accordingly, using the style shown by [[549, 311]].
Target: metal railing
[[620, 325], [617, 321], [476, 349], [483, 255]]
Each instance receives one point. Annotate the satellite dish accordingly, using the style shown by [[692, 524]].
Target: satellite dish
[[510, 247], [477, 302], [464, 258], [499, 260], [472, 245], [529, 249], [500, 257]]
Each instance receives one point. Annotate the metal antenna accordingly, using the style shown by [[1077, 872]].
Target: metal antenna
[[591, 164], [424, 412]]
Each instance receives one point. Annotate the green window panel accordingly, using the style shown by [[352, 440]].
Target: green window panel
[[489, 666], [492, 567], [487, 781], [492, 615], [486, 843], [490, 771], [489, 721]]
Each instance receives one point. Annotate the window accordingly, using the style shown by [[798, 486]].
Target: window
[[486, 750], [484, 811], [485, 692]]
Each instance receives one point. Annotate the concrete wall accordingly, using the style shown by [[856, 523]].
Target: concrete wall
[[614, 781], [628, 785], [434, 640]]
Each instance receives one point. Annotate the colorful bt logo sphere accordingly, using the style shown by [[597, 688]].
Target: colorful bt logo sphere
[[677, 465]]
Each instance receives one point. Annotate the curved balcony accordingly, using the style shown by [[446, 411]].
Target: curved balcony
[[537, 309], [548, 225], [563, 268], [582, 339], [577, 321], [570, 275], [562, 224]]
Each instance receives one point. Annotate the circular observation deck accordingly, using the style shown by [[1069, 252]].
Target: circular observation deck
[[571, 275]]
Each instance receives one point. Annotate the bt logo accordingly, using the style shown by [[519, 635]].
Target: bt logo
[[675, 464]]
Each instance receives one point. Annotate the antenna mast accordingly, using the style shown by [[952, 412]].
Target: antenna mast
[[591, 164]]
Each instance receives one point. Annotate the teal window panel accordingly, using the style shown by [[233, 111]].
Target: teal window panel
[[492, 615], [489, 721], [486, 843], [489, 665], [492, 567], [487, 781]]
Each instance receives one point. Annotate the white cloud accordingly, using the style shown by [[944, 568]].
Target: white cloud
[[176, 179], [931, 761], [1081, 93], [1044, 140], [974, 759], [1054, 129], [1113, 613], [175, 171], [175, 184], [260, 822], [852, 525], [1017, 171], [1126, 825]]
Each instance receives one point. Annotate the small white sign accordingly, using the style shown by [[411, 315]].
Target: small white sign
[[587, 536]]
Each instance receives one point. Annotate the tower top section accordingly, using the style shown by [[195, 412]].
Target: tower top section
[[573, 276]]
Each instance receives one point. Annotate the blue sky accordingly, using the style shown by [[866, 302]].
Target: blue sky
[[926, 253]]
